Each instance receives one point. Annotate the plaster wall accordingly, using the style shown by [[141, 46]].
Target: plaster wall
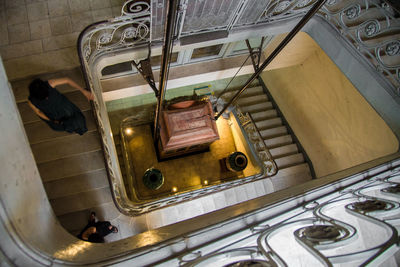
[[337, 127], [296, 51], [25, 211]]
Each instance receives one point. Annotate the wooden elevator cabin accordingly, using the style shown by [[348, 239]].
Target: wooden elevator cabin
[[186, 127]]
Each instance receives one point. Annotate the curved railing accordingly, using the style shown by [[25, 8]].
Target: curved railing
[[334, 229], [132, 30], [260, 153], [32, 236], [373, 28]]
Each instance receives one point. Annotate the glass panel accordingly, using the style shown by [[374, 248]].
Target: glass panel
[[241, 47], [117, 68], [158, 10], [206, 51], [156, 60]]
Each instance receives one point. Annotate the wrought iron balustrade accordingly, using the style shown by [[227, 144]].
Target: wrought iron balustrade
[[356, 226], [371, 26], [257, 141]]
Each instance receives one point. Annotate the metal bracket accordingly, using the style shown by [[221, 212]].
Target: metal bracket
[[255, 53], [144, 68]]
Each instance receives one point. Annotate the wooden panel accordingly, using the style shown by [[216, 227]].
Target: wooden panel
[[188, 127]]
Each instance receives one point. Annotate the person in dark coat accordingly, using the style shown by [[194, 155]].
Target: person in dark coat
[[96, 231], [54, 108]]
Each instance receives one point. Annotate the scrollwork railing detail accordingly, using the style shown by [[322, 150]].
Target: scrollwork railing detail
[[278, 9], [372, 27], [255, 138], [373, 36], [355, 226], [132, 28]]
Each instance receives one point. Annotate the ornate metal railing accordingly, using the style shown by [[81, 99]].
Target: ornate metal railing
[[356, 225], [257, 141], [133, 29], [373, 28], [135, 206]]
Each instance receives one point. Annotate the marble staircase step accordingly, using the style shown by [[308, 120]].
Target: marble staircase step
[[39, 131], [289, 161], [252, 100], [255, 90], [273, 132], [74, 222], [72, 144], [75, 97], [21, 91], [76, 184], [282, 151], [269, 123], [71, 165], [278, 141], [264, 115], [263, 106], [81, 201]]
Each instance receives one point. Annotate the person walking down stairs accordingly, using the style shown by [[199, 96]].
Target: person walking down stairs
[[54, 108], [96, 231]]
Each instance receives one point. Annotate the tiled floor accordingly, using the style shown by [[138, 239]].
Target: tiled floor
[[39, 36]]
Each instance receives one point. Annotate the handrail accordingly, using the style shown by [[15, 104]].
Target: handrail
[[256, 138], [277, 50], [234, 76]]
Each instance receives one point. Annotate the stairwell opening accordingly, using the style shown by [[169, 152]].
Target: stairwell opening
[[182, 173]]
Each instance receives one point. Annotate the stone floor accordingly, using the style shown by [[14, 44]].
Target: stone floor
[[40, 36]]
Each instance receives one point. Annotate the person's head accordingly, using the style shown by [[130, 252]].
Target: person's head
[[38, 89], [113, 228]]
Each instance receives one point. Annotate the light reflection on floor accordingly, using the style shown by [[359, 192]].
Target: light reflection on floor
[[184, 173]]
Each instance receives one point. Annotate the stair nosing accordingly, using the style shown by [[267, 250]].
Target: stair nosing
[[270, 126], [58, 214], [69, 155], [77, 174], [76, 193], [292, 164], [38, 119], [60, 137], [286, 155], [283, 144]]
